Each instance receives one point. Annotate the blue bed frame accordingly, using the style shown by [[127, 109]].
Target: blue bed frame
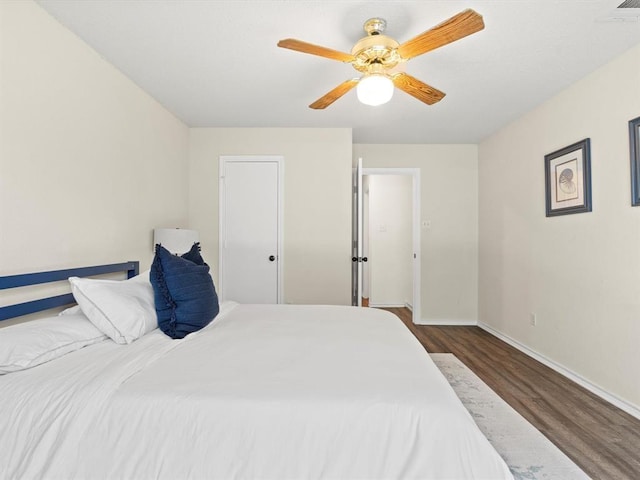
[[14, 281]]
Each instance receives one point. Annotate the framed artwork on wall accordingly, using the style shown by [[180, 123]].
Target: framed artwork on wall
[[568, 179], [634, 143]]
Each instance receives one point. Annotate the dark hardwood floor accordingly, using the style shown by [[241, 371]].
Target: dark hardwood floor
[[602, 439]]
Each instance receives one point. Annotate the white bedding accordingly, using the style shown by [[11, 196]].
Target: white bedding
[[279, 392]]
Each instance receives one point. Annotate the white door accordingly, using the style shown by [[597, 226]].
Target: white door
[[357, 255], [250, 229]]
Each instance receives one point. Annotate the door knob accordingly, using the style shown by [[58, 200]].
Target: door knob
[[364, 259], [272, 258], [354, 259]]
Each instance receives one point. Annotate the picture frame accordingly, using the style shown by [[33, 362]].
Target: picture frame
[[568, 179], [634, 151]]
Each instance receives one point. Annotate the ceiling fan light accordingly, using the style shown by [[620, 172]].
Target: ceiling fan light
[[374, 89]]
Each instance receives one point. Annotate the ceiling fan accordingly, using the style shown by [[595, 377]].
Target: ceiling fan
[[378, 57]]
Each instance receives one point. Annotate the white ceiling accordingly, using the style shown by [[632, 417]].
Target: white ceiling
[[216, 63]]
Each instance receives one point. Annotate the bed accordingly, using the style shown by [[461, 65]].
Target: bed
[[264, 391]]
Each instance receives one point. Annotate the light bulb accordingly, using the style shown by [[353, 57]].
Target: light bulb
[[375, 89]]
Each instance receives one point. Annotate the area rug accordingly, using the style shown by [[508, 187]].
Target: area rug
[[527, 452]]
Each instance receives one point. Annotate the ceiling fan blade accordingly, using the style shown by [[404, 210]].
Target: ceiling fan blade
[[335, 94], [418, 89], [304, 47], [457, 27]]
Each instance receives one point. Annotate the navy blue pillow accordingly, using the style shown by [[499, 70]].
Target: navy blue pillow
[[193, 255], [184, 294]]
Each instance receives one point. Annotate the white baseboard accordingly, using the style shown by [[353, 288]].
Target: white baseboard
[[409, 306], [447, 322], [583, 382]]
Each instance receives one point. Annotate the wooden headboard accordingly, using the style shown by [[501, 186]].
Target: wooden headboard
[[23, 280]]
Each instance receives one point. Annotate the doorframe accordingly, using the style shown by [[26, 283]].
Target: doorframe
[[222, 161], [416, 195]]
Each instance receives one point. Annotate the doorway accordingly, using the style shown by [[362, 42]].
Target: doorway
[[387, 278], [250, 228], [387, 238]]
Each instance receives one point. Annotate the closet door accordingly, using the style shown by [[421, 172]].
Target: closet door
[[250, 229]]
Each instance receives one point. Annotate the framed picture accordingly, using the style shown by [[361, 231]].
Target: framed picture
[[634, 142], [568, 179]]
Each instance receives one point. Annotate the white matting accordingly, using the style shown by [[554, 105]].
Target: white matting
[[529, 454]]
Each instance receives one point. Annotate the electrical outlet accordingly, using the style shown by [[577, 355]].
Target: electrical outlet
[[533, 319]]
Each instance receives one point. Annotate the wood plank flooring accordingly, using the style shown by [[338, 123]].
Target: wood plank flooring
[[600, 438]]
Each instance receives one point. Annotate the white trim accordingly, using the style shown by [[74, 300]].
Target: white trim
[[417, 264], [583, 382], [360, 229], [386, 305], [279, 160], [447, 322], [408, 305]]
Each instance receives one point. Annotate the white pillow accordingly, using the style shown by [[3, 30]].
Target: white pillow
[[28, 344], [71, 310], [123, 310]]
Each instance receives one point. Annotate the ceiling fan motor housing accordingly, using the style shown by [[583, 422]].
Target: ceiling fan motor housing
[[375, 49]]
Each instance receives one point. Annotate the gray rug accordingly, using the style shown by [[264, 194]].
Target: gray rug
[[528, 453]]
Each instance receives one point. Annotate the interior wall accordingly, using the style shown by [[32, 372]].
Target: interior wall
[[449, 202], [390, 251], [89, 163], [317, 203], [579, 274]]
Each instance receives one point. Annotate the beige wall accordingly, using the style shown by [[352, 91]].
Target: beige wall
[[89, 163], [580, 274], [317, 203], [449, 190]]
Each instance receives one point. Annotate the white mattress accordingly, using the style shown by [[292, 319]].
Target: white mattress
[[270, 392]]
